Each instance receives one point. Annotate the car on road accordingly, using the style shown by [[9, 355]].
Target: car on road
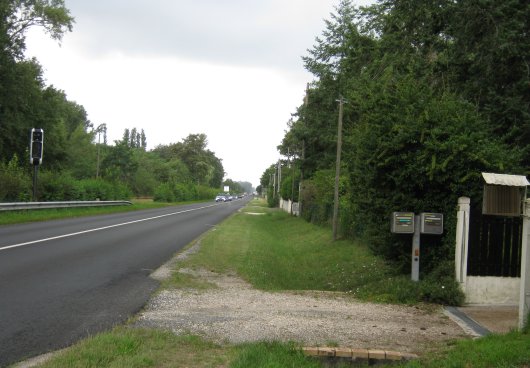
[[221, 198]]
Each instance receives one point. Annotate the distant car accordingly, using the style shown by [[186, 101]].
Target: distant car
[[221, 198]]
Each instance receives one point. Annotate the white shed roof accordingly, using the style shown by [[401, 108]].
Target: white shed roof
[[504, 179]]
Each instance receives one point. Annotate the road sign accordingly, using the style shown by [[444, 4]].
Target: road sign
[[36, 146]]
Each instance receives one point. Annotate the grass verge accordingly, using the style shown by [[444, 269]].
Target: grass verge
[[22, 216], [274, 251], [130, 348], [509, 350]]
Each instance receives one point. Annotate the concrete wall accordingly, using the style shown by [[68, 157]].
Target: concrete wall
[[286, 206], [492, 290]]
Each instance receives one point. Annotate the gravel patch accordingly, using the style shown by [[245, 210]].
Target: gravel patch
[[235, 312]]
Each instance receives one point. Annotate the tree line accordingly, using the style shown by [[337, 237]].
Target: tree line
[[79, 163], [436, 92]]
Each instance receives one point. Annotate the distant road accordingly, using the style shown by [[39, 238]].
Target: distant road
[[61, 281]]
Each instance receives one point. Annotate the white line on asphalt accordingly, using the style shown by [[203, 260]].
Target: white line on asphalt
[[100, 228]]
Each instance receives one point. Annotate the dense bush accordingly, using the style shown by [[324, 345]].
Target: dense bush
[[94, 189], [419, 126], [164, 193], [15, 182], [63, 187], [181, 192], [273, 199]]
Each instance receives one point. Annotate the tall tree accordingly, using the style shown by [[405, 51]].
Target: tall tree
[[22, 96], [18, 16], [418, 128]]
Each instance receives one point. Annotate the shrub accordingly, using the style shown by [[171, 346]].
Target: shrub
[[94, 189], [53, 186], [185, 192], [63, 187], [272, 198], [164, 193], [179, 192], [16, 183]]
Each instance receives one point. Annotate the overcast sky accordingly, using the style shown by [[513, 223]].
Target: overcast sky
[[230, 69]]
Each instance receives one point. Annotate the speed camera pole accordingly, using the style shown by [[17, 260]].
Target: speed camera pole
[[35, 155], [337, 171]]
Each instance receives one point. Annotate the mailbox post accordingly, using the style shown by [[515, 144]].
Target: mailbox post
[[409, 223]]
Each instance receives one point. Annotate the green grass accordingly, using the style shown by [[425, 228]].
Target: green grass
[[275, 251], [181, 280], [509, 350], [131, 348], [271, 355], [22, 216]]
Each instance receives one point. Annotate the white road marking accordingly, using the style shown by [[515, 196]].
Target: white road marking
[[100, 228]]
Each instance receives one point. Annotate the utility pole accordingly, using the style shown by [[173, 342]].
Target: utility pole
[[99, 129], [337, 170], [279, 175], [292, 179], [306, 102]]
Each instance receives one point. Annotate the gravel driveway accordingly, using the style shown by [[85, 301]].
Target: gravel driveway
[[235, 312]]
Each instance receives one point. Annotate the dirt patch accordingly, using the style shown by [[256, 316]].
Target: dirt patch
[[237, 313]]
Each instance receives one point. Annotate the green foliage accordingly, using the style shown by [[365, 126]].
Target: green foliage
[[276, 251], [203, 166], [70, 155], [53, 187], [509, 350], [179, 192], [81, 154], [289, 185], [18, 16], [318, 196], [164, 193], [272, 355], [25, 216], [135, 347], [94, 189], [401, 289], [439, 142], [426, 113], [272, 198], [16, 182]]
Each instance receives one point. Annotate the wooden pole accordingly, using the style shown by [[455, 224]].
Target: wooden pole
[[337, 171]]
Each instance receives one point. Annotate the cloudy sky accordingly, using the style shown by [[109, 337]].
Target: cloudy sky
[[230, 69]]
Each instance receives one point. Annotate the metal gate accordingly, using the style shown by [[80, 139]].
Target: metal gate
[[494, 245]]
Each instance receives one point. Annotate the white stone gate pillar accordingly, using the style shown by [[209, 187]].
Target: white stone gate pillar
[[524, 296], [462, 239]]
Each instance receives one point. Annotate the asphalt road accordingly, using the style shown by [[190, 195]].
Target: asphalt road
[[61, 281]]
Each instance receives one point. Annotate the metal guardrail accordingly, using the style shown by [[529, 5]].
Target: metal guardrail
[[41, 205]]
